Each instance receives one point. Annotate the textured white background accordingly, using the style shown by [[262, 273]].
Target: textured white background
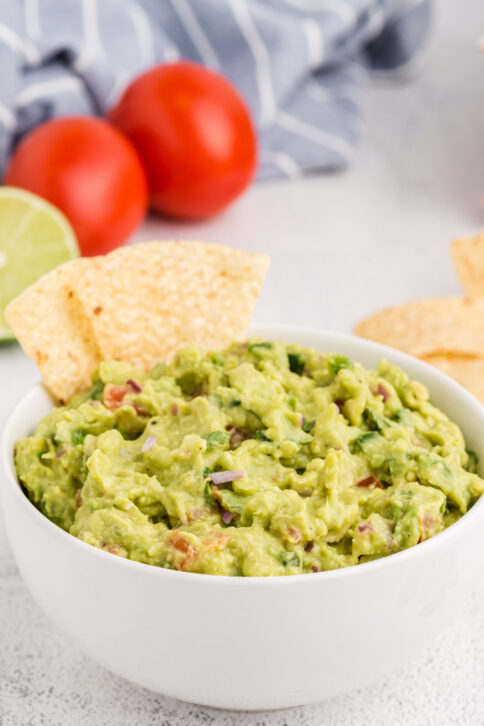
[[341, 246]]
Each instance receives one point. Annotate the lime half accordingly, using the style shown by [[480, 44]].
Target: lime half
[[34, 238]]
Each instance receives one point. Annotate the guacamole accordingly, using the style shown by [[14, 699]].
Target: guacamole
[[263, 459]]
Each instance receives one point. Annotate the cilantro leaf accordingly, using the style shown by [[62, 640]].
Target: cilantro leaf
[[296, 363], [208, 496], [364, 439], [77, 437], [289, 559], [337, 362], [216, 438], [376, 422], [260, 436], [97, 391], [217, 359]]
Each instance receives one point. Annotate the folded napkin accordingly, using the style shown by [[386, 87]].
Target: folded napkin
[[301, 64]]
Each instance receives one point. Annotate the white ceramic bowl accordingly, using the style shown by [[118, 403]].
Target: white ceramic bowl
[[251, 643]]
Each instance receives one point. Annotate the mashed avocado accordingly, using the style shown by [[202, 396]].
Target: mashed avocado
[[264, 459]]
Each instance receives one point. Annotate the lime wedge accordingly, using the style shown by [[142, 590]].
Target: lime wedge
[[34, 238]]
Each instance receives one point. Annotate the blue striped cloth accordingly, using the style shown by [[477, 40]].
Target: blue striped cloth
[[301, 64]]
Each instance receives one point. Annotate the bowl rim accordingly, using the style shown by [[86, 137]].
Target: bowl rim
[[353, 571]]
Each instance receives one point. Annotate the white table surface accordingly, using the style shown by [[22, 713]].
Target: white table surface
[[341, 246]]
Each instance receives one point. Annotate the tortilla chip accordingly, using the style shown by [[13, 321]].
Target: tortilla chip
[[466, 370], [50, 328], [145, 302], [468, 258], [138, 304], [425, 327]]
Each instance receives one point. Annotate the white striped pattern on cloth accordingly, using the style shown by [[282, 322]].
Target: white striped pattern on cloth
[[189, 20], [32, 20], [298, 63], [261, 59]]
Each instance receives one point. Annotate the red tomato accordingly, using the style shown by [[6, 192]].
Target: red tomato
[[88, 170], [113, 396], [194, 134]]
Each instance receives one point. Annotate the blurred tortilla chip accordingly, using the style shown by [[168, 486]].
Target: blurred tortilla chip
[[468, 258], [139, 304], [426, 327], [145, 302], [53, 332], [466, 370]]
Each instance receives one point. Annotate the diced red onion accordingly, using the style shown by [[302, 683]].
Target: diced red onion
[[370, 481], [294, 535], [383, 392], [227, 516], [149, 443], [237, 436], [134, 386], [140, 410], [365, 527], [222, 477], [418, 442], [301, 421], [60, 453]]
